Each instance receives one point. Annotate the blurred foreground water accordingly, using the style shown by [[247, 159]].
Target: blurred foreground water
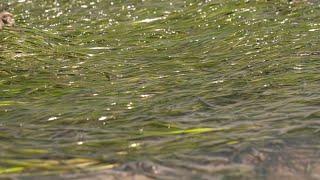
[[144, 89]]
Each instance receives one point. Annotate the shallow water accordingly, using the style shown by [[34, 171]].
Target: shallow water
[[160, 89]]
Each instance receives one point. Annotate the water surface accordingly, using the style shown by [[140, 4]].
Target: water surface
[[147, 89]]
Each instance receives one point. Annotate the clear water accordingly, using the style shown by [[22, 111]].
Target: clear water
[[147, 89]]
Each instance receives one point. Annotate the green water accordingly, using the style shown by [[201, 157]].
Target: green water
[[160, 89]]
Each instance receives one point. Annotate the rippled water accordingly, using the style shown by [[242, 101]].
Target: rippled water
[[147, 89]]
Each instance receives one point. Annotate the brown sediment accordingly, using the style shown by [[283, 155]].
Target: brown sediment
[[1, 24], [290, 163]]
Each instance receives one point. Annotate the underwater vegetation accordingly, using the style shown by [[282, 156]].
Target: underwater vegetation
[[214, 89]]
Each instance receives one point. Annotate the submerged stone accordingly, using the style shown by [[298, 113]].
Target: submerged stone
[[6, 19]]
